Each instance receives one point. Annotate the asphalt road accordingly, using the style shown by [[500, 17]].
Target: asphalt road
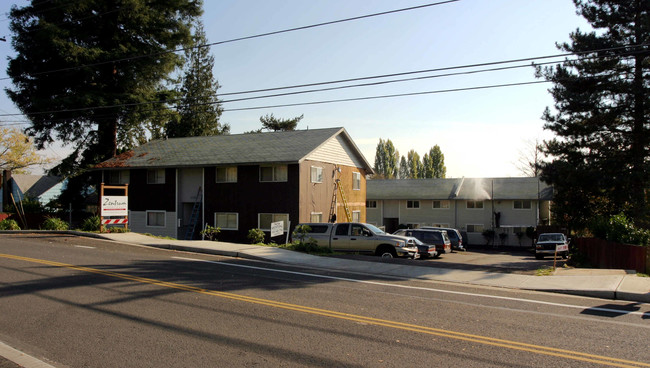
[[78, 302]]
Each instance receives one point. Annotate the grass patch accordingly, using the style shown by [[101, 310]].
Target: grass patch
[[642, 275], [544, 271]]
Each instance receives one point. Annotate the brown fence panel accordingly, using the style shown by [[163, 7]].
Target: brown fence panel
[[606, 254]]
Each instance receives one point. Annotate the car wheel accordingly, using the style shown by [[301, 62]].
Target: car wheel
[[386, 252]]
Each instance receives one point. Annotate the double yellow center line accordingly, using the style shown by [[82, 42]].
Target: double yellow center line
[[513, 345]]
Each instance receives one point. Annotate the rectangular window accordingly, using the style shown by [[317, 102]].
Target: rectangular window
[[226, 220], [356, 181], [475, 204], [156, 176], [371, 204], [474, 228], [316, 174], [226, 174], [412, 204], [156, 218], [522, 205], [316, 217], [273, 173], [356, 216], [441, 204], [265, 220], [118, 177]]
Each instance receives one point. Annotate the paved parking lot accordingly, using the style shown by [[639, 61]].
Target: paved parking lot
[[511, 260]]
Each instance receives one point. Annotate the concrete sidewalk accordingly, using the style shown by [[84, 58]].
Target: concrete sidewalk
[[610, 284]]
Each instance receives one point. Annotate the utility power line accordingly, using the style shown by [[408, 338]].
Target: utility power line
[[135, 57]]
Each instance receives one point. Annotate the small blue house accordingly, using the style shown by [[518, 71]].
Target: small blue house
[[39, 187]]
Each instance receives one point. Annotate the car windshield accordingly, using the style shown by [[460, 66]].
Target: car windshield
[[551, 237], [375, 229]]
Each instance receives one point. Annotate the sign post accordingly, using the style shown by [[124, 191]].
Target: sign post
[[113, 205], [559, 248]]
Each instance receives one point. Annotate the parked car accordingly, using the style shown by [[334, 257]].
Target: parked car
[[361, 238], [439, 238], [547, 242], [454, 235], [425, 250]]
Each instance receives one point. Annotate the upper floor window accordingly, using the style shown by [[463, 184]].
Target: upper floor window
[[316, 217], [226, 174], [356, 216], [156, 176], [412, 204], [371, 204], [440, 204], [523, 205], [117, 177], [316, 174], [475, 204], [273, 173], [356, 181]]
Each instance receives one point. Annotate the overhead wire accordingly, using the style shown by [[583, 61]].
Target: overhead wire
[[135, 57]]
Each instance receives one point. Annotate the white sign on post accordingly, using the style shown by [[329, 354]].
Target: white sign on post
[[277, 228], [562, 247], [115, 206]]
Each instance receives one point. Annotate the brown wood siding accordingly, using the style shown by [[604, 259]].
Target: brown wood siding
[[143, 196], [356, 198], [248, 197], [316, 197]]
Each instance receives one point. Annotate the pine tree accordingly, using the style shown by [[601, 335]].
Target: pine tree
[[270, 122], [199, 109], [90, 73], [600, 153]]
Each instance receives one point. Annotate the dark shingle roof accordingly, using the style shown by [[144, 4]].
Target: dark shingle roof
[[271, 147]]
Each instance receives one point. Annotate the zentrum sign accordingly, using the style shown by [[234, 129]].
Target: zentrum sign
[[114, 206]]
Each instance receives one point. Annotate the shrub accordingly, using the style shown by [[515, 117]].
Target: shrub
[[54, 223], [117, 229], [255, 236], [9, 224], [91, 224], [300, 232], [210, 232], [620, 229]]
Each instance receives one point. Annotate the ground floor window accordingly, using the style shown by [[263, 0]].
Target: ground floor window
[[156, 218], [475, 228], [371, 204], [265, 220], [226, 220], [316, 217]]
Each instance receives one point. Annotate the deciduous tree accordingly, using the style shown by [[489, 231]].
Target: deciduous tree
[[17, 151], [386, 160]]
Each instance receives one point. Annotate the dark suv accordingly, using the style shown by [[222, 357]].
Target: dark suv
[[438, 238], [454, 235]]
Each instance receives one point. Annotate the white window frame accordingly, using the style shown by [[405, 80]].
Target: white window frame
[[371, 203], [481, 225], [216, 224], [316, 217], [276, 173], [228, 174], [316, 174], [522, 202], [164, 218], [415, 204], [356, 216], [273, 219], [474, 207], [443, 204], [356, 181], [158, 176]]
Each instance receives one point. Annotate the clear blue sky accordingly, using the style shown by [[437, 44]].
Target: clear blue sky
[[481, 132]]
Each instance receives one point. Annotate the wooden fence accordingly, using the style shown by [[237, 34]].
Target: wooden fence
[[606, 254]]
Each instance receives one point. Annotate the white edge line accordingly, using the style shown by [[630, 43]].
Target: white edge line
[[421, 288], [21, 358]]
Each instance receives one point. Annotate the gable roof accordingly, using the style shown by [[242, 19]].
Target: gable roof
[[460, 188], [35, 185], [237, 149]]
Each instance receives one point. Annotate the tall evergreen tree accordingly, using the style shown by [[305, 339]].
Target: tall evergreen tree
[[413, 164], [403, 169], [600, 153], [437, 162], [270, 122], [386, 160], [198, 108], [87, 71]]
